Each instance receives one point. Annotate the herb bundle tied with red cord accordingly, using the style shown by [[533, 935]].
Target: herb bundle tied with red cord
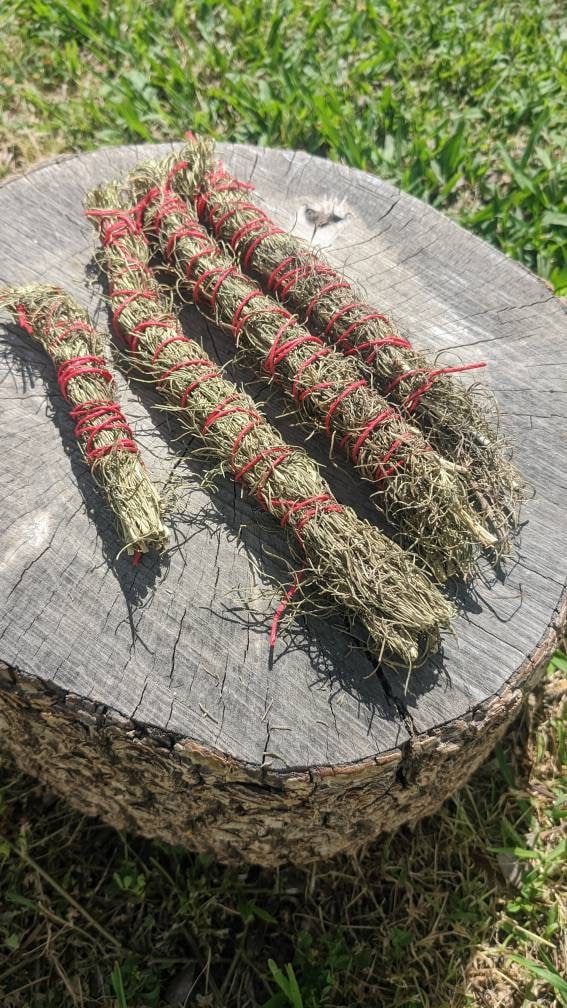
[[85, 377], [422, 495], [347, 559], [453, 418]]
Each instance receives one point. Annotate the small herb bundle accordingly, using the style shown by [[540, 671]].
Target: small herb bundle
[[421, 494], [348, 559], [450, 415], [84, 374]]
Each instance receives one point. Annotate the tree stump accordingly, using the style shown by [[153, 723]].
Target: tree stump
[[146, 695]]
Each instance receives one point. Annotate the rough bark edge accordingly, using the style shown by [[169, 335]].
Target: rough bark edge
[[186, 794]]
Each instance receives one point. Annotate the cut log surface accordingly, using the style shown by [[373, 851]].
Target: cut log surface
[[147, 694]]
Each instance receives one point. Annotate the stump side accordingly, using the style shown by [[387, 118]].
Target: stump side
[[185, 794]]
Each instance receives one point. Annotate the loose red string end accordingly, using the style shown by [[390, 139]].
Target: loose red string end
[[23, 321], [136, 557], [412, 399], [282, 608]]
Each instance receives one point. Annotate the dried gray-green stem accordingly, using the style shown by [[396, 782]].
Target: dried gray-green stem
[[422, 495], [85, 377], [452, 417], [348, 559]]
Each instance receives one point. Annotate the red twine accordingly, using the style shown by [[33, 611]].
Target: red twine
[[93, 417], [117, 224], [283, 606], [279, 351], [361, 383], [78, 367], [23, 321], [387, 414]]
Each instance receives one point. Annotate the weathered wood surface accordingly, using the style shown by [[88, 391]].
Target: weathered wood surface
[[176, 655]]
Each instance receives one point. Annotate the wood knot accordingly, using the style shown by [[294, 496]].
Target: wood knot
[[325, 213], [320, 218]]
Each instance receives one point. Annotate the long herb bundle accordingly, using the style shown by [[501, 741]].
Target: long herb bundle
[[451, 416], [84, 374], [348, 559], [421, 494]]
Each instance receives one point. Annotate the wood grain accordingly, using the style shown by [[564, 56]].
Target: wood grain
[[180, 649]]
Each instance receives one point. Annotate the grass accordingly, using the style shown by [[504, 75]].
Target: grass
[[462, 106], [469, 908]]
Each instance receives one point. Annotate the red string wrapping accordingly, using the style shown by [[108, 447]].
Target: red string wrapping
[[116, 225], [119, 224], [374, 345], [223, 409], [151, 323], [79, 367], [66, 330], [269, 231], [94, 416], [301, 396], [98, 415], [361, 383], [306, 509], [375, 422], [283, 283], [261, 220], [128, 296], [327, 289], [195, 384], [279, 451], [220, 181], [23, 320], [238, 319], [383, 470], [279, 351], [221, 273]]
